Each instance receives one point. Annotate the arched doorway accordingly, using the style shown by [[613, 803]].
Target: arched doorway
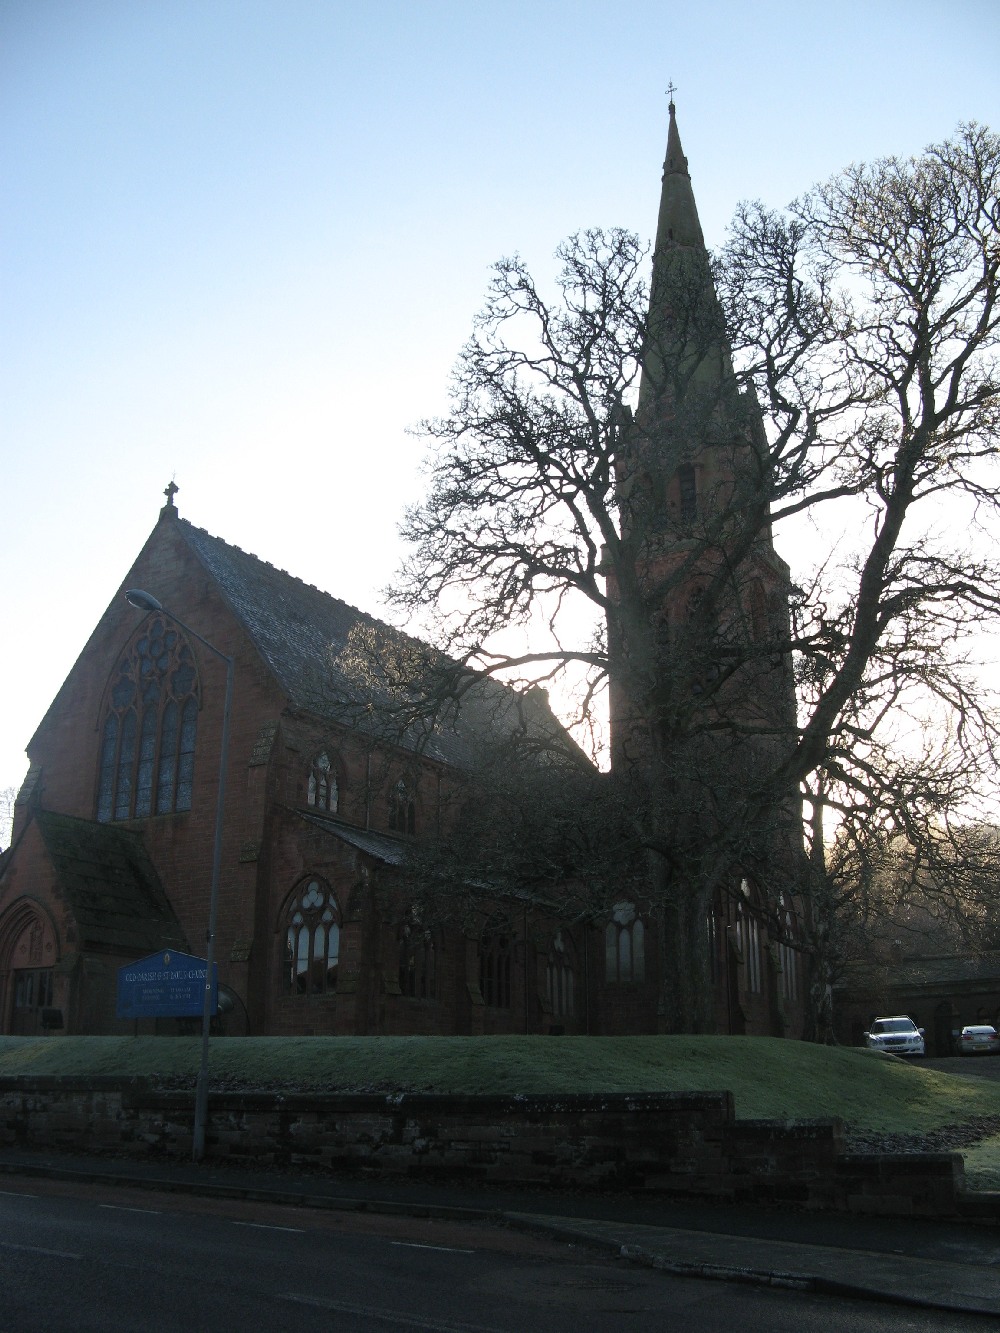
[[28, 954]]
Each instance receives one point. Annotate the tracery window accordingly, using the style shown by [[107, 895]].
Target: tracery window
[[312, 940], [495, 950], [748, 939], [625, 945], [712, 943], [560, 979], [402, 809], [150, 728], [788, 957], [323, 791], [417, 963]]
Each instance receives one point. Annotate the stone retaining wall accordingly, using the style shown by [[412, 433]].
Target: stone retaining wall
[[678, 1144]]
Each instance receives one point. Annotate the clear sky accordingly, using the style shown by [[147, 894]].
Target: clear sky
[[243, 240]]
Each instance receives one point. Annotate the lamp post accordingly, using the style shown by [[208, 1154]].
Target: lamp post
[[145, 601]]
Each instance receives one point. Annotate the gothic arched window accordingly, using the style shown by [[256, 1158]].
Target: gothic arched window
[[560, 979], [150, 727], [748, 937], [312, 940], [494, 968], [712, 941], [788, 957], [402, 809], [417, 963], [323, 791], [625, 945]]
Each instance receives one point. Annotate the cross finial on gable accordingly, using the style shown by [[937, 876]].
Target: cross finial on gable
[[169, 510]]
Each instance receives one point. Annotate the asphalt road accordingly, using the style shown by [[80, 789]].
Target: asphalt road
[[975, 1066], [91, 1257]]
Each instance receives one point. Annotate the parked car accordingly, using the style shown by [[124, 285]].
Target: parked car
[[978, 1039], [898, 1035]]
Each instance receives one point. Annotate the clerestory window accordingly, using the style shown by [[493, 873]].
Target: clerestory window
[[323, 791], [402, 809], [150, 728]]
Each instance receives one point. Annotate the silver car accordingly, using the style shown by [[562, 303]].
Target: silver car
[[899, 1035]]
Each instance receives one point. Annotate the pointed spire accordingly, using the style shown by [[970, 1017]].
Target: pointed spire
[[677, 223], [679, 273]]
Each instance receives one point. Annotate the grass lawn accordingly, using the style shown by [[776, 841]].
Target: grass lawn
[[768, 1077]]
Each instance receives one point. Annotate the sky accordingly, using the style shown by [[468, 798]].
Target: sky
[[242, 241]]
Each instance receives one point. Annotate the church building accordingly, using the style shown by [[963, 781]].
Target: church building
[[112, 847]]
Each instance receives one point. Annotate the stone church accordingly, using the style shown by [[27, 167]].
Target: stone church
[[112, 846]]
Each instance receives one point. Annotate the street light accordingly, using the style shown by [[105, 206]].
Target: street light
[[145, 601]]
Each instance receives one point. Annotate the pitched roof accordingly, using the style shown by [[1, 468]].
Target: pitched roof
[[308, 639], [383, 846], [111, 885]]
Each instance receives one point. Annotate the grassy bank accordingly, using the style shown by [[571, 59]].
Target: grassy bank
[[767, 1077]]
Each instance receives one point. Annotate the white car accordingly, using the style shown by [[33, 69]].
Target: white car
[[898, 1035], [978, 1039]]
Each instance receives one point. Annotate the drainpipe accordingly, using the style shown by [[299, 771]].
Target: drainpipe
[[586, 977], [524, 928]]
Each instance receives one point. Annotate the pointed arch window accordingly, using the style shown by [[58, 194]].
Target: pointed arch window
[[712, 942], [150, 726], [402, 809], [417, 963], [748, 938], [312, 940], [625, 945], [788, 956], [495, 952], [560, 979], [323, 791]]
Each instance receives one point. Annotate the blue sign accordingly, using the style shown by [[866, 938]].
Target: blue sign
[[165, 985]]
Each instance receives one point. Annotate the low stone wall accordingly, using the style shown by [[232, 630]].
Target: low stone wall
[[678, 1144]]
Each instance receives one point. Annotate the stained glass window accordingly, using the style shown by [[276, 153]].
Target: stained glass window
[[312, 940], [323, 791], [402, 809], [150, 727], [625, 946]]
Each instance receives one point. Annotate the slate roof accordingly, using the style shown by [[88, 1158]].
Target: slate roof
[[385, 848], [111, 885], [303, 635]]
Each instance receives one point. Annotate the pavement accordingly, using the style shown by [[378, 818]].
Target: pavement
[[949, 1266]]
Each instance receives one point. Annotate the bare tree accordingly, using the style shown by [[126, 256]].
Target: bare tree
[[831, 377]]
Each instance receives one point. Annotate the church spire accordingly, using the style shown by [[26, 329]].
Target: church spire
[[677, 223], [685, 342]]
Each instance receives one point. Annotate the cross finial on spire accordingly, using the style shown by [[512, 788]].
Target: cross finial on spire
[[671, 89]]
